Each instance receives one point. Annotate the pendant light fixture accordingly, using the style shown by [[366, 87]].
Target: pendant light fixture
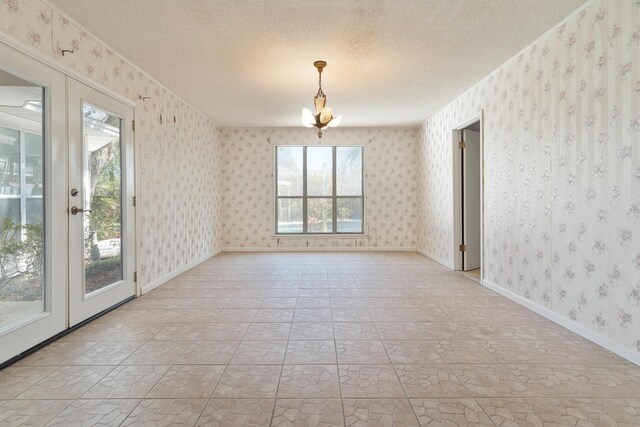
[[323, 116]]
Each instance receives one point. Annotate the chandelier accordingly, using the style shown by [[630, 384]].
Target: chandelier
[[323, 116]]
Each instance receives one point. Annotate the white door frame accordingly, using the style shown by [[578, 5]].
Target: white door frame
[[31, 331], [457, 190]]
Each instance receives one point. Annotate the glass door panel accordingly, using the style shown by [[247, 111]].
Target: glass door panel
[[103, 198], [101, 218], [33, 223]]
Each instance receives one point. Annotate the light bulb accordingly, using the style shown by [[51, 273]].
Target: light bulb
[[326, 115], [336, 121]]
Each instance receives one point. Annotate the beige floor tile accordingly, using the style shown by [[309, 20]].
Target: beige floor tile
[[313, 303], [400, 331], [557, 412], [450, 412], [312, 315], [208, 353], [311, 331], [579, 380], [92, 332], [379, 413], [110, 412], [430, 381], [356, 331], [179, 332], [56, 354], [248, 381], [268, 331], [390, 315], [127, 382], [260, 352], [298, 381], [368, 381], [443, 331], [223, 332], [30, 412], [311, 352], [351, 315], [463, 351], [134, 332], [107, 353], [158, 353], [308, 413], [237, 413], [530, 351], [271, 302], [491, 381], [274, 315], [361, 352], [15, 379], [188, 382], [412, 352], [67, 382], [353, 303], [166, 412]]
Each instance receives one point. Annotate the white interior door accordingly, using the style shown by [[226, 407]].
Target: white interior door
[[101, 211], [471, 199], [33, 203]]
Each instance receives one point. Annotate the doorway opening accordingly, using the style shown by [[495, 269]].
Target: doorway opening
[[468, 198]]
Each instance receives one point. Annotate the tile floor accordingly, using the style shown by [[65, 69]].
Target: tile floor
[[321, 339]]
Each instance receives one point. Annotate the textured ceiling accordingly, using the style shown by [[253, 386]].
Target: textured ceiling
[[249, 63]]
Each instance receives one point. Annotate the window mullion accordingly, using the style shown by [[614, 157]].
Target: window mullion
[[304, 190], [334, 186]]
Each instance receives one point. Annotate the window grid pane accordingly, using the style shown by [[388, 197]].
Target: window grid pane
[[319, 190]]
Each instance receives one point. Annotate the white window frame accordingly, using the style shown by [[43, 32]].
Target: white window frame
[[334, 197]]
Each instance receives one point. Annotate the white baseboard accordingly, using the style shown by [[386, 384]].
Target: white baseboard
[[152, 285], [435, 258], [327, 249], [579, 329]]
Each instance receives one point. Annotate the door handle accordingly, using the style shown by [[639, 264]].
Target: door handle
[[76, 210]]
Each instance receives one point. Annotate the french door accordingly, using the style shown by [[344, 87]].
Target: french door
[[66, 202], [101, 212]]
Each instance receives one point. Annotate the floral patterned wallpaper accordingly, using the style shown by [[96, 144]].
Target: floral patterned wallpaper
[[177, 159], [390, 162], [562, 171]]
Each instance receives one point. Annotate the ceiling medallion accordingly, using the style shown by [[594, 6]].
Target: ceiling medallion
[[323, 116]]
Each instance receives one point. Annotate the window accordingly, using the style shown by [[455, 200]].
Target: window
[[319, 190]]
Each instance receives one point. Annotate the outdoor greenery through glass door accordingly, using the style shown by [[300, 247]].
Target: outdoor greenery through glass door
[[102, 201]]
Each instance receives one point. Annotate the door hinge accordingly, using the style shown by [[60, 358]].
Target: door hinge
[[461, 145], [463, 248], [135, 276], [133, 125], [134, 201]]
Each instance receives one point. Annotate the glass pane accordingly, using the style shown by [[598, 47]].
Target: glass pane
[[289, 171], [319, 213], [9, 159], [103, 191], [349, 171], [22, 248], [350, 215], [289, 215], [33, 165], [319, 171]]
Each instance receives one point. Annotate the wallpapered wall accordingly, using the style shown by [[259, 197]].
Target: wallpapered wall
[[562, 171], [390, 161], [178, 163]]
